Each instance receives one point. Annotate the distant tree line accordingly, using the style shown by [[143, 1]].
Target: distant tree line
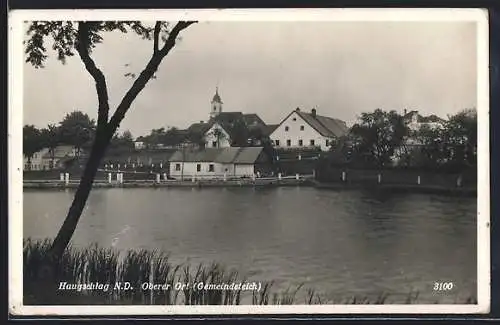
[[76, 129], [381, 139]]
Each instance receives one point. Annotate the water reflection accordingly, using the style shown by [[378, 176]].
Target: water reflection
[[352, 242]]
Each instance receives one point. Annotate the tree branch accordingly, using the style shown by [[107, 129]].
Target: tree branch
[[82, 46], [156, 37], [146, 75]]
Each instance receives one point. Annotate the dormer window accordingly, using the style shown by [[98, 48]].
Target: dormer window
[[286, 128]]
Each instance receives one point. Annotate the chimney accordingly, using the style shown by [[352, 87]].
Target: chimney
[[297, 109], [201, 122], [404, 111], [313, 112]]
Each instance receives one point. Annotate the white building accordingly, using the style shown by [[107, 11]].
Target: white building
[[217, 163], [138, 145], [221, 129], [36, 162], [217, 137], [415, 121], [301, 129], [47, 159]]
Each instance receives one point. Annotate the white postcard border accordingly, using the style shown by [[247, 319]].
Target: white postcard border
[[15, 114]]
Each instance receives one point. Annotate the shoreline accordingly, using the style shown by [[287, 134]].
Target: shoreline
[[400, 188]]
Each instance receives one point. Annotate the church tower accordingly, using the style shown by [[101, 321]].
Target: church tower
[[216, 106]]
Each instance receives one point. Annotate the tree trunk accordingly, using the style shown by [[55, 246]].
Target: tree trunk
[[69, 226]]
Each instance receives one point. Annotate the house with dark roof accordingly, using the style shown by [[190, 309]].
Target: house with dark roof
[[229, 162], [223, 129], [414, 120], [304, 129]]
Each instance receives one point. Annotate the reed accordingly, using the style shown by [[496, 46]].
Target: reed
[[95, 264]]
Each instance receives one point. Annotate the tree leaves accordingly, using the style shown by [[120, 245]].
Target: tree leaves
[[63, 35]]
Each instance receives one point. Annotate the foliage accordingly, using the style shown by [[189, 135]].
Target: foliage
[[82, 37], [461, 137], [377, 135], [31, 141], [218, 134], [77, 129], [108, 266]]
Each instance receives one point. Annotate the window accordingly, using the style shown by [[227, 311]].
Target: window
[[301, 143], [214, 144], [288, 143], [211, 168], [177, 167], [327, 142], [312, 142], [198, 167], [295, 119], [277, 142], [286, 128], [301, 128]]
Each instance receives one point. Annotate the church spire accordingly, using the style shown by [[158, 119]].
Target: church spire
[[216, 104], [217, 98]]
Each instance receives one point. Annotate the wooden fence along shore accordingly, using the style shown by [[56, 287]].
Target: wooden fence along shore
[[117, 179], [411, 183]]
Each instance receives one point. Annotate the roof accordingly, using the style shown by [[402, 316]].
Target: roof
[[201, 127], [60, 152], [326, 126], [228, 121], [217, 98], [235, 155], [268, 129], [423, 119], [253, 120]]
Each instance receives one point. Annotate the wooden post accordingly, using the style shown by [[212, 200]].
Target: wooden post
[[161, 165], [314, 173], [66, 178], [379, 178], [300, 157], [165, 176], [133, 165], [279, 176], [225, 177], [253, 177], [157, 178], [118, 177], [61, 177], [343, 176], [109, 178], [297, 176], [418, 179]]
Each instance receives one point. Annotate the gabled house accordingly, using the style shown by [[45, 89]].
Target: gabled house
[[415, 121], [225, 129], [302, 129], [210, 163], [36, 162], [47, 158]]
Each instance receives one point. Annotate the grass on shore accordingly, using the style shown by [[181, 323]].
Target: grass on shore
[[95, 264]]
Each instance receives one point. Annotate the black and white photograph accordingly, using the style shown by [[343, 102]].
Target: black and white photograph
[[249, 161]]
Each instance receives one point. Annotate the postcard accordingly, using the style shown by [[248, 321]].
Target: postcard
[[267, 161]]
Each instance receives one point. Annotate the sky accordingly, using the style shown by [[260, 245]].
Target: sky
[[270, 68]]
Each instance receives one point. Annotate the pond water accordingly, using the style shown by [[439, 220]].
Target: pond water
[[340, 243]]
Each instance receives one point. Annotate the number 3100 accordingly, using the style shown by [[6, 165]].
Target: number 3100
[[443, 286]]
